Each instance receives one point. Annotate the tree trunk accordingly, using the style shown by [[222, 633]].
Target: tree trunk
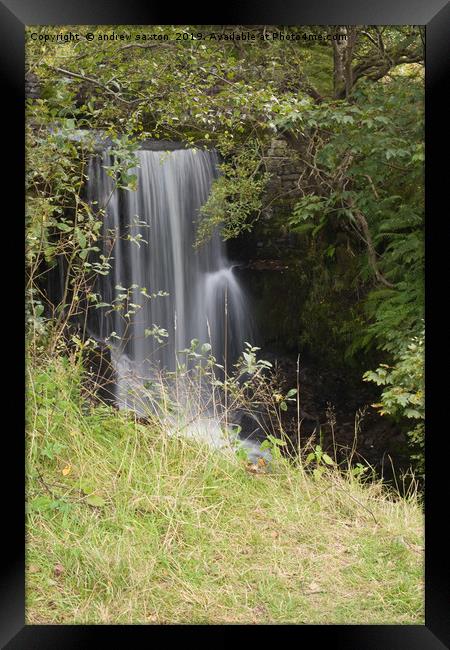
[[342, 57]]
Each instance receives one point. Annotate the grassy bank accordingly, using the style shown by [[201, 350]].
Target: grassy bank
[[127, 525]]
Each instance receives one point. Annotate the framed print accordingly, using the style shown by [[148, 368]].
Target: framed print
[[231, 246]]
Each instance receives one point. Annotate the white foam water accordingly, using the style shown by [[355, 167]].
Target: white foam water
[[149, 236]]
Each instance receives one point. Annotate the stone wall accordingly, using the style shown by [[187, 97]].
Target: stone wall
[[285, 168], [271, 237]]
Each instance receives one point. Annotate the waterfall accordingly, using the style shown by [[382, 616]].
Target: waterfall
[[166, 291]]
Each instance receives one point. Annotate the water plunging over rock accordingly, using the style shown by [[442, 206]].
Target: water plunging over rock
[[149, 236]]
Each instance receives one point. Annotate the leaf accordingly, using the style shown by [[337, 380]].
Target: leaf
[[81, 237], [64, 227], [304, 227], [42, 503], [276, 441], [328, 460], [86, 487], [95, 500], [413, 413]]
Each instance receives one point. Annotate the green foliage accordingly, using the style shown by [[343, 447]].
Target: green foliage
[[249, 364], [358, 471], [273, 445], [321, 461], [158, 333], [62, 228], [236, 196], [368, 170], [403, 393]]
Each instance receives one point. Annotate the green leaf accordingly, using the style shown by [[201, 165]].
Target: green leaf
[[86, 487], [413, 413], [95, 500], [41, 504], [81, 237], [276, 441], [317, 472], [64, 227]]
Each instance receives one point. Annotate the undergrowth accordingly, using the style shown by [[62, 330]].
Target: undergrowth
[[126, 524]]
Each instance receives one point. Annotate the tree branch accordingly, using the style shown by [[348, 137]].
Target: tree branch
[[367, 238], [95, 82], [381, 66]]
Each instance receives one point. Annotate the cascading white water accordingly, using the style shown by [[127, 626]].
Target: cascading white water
[[150, 235]]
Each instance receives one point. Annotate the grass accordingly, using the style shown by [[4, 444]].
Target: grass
[[180, 533]]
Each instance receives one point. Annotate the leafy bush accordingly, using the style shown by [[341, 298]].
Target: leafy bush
[[236, 196], [403, 395]]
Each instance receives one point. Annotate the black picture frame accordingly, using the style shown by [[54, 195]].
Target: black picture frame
[[435, 14]]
